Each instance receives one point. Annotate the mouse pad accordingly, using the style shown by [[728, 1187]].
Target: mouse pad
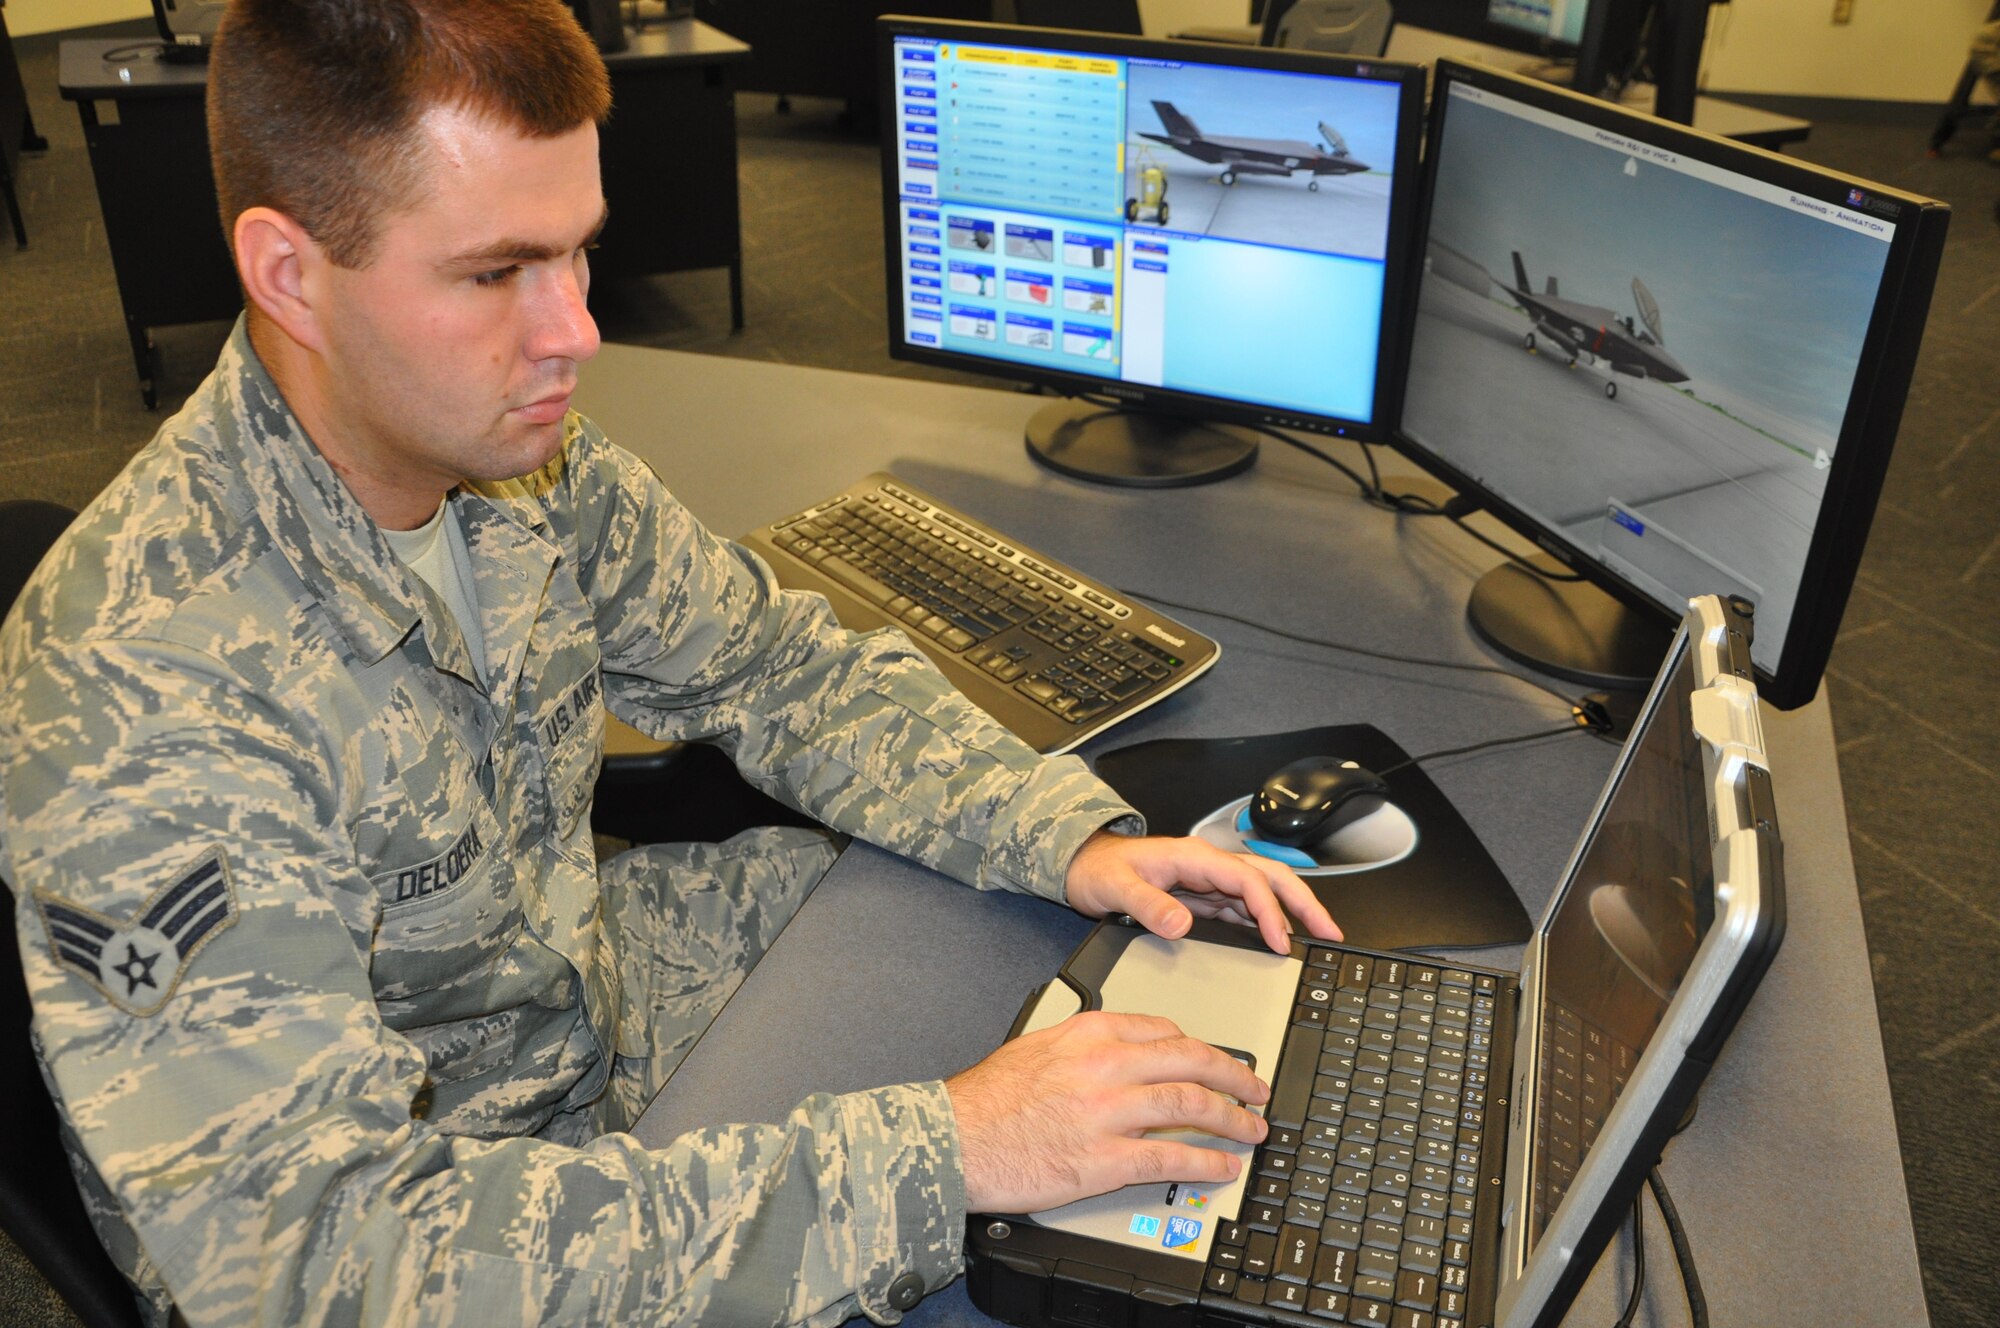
[[1446, 892]]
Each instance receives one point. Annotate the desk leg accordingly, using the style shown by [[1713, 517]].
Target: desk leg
[[21, 228], [30, 140], [147, 357], [735, 295]]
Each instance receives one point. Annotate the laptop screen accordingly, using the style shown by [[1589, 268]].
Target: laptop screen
[[1623, 936]]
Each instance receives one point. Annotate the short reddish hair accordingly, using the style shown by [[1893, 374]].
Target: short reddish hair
[[313, 104]]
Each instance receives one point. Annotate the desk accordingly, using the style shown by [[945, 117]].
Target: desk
[[1789, 1181], [1747, 124], [668, 156]]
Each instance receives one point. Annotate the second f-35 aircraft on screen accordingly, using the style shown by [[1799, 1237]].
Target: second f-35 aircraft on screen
[[1588, 331], [1255, 156]]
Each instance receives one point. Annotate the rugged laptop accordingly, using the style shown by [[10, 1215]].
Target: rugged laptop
[[1449, 1146]]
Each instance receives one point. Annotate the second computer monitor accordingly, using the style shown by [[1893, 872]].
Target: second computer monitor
[[1676, 362]]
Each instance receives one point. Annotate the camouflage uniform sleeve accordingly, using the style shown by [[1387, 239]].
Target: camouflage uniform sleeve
[[261, 1129], [861, 731]]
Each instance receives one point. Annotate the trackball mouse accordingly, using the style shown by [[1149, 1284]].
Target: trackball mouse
[[1296, 806]]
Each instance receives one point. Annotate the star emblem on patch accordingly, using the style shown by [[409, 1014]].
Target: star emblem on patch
[[139, 960]]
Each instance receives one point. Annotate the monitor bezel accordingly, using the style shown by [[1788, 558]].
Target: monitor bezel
[[1392, 341], [1875, 403]]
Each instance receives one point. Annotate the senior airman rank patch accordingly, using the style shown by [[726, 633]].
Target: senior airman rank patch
[[138, 962]]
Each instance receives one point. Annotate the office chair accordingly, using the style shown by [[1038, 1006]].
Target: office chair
[[39, 1205], [1340, 27]]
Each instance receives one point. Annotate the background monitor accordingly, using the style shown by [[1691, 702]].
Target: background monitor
[[1181, 236], [1603, 40], [1674, 362]]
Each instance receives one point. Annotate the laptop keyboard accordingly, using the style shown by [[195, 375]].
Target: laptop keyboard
[[1362, 1204]]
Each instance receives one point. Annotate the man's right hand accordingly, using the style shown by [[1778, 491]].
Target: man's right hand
[[1064, 1113]]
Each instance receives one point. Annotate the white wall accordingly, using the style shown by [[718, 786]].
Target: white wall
[[1893, 50], [26, 16]]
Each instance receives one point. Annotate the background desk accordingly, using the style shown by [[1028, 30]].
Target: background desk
[[1789, 1181], [668, 155]]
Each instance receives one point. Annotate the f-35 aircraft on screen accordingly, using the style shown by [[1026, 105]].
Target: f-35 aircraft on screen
[[1255, 156], [1589, 332]]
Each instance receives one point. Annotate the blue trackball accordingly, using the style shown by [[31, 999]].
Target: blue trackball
[[1284, 853]]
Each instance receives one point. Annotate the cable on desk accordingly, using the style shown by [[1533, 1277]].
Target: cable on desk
[[1580, 723], [1683, 1252], [1385, 655], [1409, 504], [125, 55]]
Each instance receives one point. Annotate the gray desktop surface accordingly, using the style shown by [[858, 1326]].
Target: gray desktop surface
[[1789, 1181]]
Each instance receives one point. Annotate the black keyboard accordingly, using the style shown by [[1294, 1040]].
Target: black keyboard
[[1364, 1197], [1050, 653]]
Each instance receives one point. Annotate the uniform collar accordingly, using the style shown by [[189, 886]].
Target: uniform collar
[[315, 521]]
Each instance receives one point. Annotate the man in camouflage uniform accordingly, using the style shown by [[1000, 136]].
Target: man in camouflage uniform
[[298, 730]]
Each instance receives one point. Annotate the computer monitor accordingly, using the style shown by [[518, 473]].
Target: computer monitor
[[1182, 238], [1602, 39], [1674, 362]]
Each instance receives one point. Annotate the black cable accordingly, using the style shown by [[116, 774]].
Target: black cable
[[1405, 504], [1385, 655], [1638, 1261], [122, 55], [1578, 724], [1683, 1252]]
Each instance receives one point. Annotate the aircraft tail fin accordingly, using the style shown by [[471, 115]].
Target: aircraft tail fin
[[1334, 142], [1550, 289], [1175, 123], [1521, 282]]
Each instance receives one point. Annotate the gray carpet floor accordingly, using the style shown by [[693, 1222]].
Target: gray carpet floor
[[1915, 679]]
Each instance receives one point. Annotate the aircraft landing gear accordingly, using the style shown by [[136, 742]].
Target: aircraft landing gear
[[1229, 177], [1312, 186], [1611, 391], [1528, 342]]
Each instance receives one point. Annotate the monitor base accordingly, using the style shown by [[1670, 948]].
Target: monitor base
[[1569, 629], [1136, 449]]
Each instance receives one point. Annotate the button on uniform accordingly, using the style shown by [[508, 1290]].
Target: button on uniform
[[906, 1291]]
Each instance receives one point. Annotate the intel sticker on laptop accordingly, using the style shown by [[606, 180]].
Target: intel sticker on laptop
[[1149, 1227], [1182, 1232]]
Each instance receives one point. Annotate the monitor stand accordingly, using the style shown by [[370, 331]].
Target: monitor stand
[[1570, 629], [1136, 449]]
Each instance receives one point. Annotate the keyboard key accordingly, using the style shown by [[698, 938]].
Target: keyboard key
[[1225, 1256], [1421, 1258], [1381, 1289], [1331, 1305], [1417, 1290], [1381, 1234], [1232, 1233], [1370, 1312], [1260, 1254], [1285, 1295], [1310, 1185], [1430, 1203], [1334, 1267], [1291, 1088], [1371, 1262], [1298, 1246], [1311, 1212], [1424, 1230], [1336, 1232], [1321, 1160]]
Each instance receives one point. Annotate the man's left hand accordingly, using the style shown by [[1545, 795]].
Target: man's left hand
[[1114, 873]]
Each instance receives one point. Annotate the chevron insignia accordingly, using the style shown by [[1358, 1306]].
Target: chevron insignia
[[138, 962]]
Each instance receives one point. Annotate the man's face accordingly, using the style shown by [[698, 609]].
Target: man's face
[[452, 355]]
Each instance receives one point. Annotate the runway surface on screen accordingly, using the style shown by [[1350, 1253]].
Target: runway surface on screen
[[1721, 506]]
